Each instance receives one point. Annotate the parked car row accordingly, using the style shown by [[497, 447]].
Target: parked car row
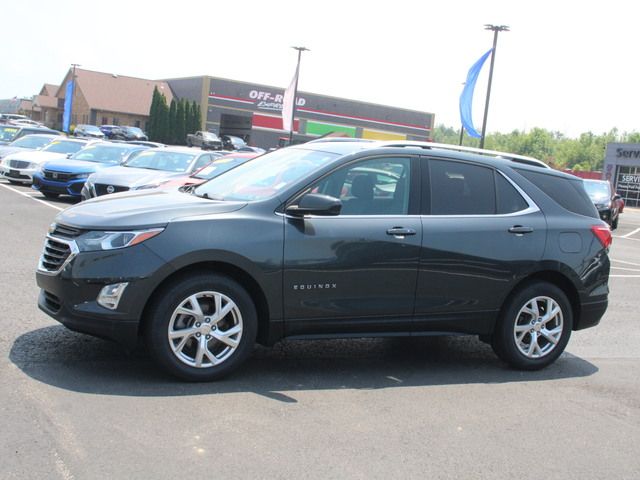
[[88, 167]]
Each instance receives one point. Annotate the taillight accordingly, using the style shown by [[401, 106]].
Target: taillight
[[603, 233]]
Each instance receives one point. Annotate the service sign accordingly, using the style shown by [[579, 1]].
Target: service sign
[[629, 181], [259, 98]]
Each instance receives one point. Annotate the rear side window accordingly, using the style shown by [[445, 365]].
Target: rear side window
[[461, 189], [569, 194], [508, 198]]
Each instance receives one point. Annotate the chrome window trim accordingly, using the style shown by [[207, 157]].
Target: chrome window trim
[[74, 251]]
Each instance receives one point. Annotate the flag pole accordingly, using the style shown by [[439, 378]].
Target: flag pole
[[495, 29], [295, 91]]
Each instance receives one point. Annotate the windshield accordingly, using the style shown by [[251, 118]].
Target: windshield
[[135, 130], [31, 141], [63, 146], [102, 154], [265, 176], [8, 133], [218, 167], [91, 128], [209, 136], [162, 160], [597, 190]]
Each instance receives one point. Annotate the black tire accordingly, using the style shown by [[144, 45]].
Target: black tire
[[504, 341], [163, 310], [189, 144], [50, 194], [614, 224], [13, 182]]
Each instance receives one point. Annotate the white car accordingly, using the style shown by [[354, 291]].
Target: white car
[[19, 167]]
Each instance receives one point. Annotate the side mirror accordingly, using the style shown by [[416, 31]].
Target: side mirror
[[315, 204]]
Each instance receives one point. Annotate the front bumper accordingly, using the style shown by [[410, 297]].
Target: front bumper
[[71, 187], [70, 296], [23, 175]]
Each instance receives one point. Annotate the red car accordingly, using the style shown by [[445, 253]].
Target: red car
[[212, 170]]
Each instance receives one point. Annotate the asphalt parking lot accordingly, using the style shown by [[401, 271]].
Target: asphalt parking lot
[[75, 407]]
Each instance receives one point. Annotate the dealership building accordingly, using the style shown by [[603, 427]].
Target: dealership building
[[253, 112], [622, 169]]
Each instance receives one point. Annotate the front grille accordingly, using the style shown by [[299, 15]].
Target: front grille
[[57, 176], [52, 301], [54, 255], [65, 231], [101, 189], [18, 164]]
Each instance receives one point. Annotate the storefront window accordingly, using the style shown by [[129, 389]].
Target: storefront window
[[628, 185]]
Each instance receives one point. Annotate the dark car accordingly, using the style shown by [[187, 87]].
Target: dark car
[[113, 132], [302, 242], [230, 142], [605, 200], [88, 131], [10, 133], [134, 133]]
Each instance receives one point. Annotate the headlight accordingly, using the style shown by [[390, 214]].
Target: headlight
[[93, 241], [81, 175]]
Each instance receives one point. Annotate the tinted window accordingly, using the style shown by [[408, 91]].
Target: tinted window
[[508, 198], [102, 154], [570, 194], [461, 189], [373, 187]]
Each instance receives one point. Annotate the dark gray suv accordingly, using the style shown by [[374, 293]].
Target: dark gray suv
[[335, 239]]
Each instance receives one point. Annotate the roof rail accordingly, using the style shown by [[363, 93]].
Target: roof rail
[[480, 151], [339, 140]]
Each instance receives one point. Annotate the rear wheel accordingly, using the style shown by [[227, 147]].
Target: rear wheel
[[534, 327], [201, 328], [50, 195], [614, 224]]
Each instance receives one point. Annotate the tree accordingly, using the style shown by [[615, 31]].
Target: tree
[[152, 129], [181, 123], [195, 117], [173, 112], [198, 116]]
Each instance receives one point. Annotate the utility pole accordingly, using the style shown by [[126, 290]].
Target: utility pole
[[73, 88], [295, 91], [495, 29]]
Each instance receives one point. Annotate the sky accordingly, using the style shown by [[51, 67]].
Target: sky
[[564, 66]]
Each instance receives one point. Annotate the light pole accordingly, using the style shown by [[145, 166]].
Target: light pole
[[73, 89], [295, 91], [495, 29]]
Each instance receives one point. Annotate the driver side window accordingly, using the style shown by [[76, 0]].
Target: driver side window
[[378, 186]]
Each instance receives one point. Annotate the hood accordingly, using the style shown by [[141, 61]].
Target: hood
[[76, 166], [36, 156], [133, 177], [8, 150], [140, 209]]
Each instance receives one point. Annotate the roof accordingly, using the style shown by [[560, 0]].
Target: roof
[[117, 93], [49, 90], [45, 101]]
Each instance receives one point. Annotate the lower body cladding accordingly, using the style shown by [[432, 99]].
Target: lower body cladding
[[83, 294], [73, 187]]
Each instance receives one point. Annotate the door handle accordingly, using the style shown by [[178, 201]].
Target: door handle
[[519, 229], [401, 231]]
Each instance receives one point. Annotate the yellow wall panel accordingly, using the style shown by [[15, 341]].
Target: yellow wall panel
[[378, 135]]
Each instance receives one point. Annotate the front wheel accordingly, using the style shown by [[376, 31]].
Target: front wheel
[[534, 327], [201, 328], [614, 224]]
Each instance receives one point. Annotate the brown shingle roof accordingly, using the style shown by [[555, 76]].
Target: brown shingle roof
[[45, 101], [49, 89], [118, 93]]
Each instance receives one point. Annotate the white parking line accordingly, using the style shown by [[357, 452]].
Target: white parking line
[[625, 276], [32, 198], [633, 232], [627, 269], [625, 238], [625, 262]]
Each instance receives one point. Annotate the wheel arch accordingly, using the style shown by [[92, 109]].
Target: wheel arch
[[555, 278], [232, 271]]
